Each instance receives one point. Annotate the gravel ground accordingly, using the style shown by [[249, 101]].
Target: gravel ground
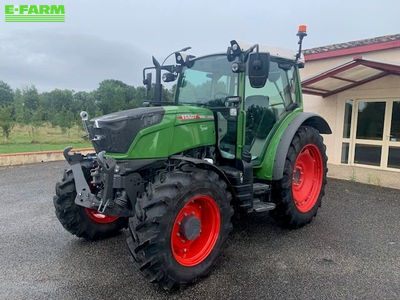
[[351, 250]]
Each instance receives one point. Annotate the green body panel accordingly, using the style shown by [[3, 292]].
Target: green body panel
[[264, 170], [182, 128]]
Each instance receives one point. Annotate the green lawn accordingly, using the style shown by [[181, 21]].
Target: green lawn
[[45, 138], [16, 148]]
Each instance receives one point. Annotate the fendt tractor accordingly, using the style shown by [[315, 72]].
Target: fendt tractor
[[234, 139]]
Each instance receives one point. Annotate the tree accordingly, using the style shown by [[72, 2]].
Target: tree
[[6, 94], [6, 120], [30, 98]]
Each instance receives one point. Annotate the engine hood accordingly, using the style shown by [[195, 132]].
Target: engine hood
[[114, 132]]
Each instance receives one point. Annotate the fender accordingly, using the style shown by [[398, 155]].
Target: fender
[[309, 119], [206, 165]]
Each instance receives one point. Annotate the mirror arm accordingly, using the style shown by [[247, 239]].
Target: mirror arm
[[251, 49]]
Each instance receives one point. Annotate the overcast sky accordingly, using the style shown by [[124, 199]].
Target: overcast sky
[[104, 39]]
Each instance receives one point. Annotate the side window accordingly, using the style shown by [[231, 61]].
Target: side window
[[265, 106]]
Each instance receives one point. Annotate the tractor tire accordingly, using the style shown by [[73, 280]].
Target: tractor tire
[[80, 221], [180, 225], [298, 194]]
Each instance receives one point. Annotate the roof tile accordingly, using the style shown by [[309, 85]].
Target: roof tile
[[352, 44]]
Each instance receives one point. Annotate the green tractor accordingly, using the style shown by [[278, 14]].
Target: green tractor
[[235, 139]]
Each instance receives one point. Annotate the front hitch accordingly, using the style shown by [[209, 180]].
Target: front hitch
[[108, 167], [84, 196]]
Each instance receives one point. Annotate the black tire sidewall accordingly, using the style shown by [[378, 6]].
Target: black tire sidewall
[[287, 211]]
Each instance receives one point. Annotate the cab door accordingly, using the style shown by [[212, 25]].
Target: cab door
[[267, 106]]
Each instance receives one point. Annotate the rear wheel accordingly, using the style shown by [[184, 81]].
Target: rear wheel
[[298, 195], [180, 225], [80, 221]]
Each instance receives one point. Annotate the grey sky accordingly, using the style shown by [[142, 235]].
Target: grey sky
[[115, 39]]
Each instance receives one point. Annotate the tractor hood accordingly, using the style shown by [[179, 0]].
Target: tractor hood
[[115, 132], [125, 132]]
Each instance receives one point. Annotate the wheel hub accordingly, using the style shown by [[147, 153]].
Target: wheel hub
[[195, 230], [297, 176], [190, 227]]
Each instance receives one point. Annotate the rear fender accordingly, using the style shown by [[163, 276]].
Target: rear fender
[[307, 119]]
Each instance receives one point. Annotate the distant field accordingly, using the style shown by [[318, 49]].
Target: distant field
[[43, 138]]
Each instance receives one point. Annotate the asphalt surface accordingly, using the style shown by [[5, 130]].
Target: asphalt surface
[[351, 250]]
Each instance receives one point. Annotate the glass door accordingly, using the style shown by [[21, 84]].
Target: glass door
[[371, 133], [394, 136]]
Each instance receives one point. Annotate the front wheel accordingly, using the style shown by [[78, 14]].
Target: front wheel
[[180, 226], [298, 195]]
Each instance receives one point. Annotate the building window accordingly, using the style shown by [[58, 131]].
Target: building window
[[370, 122], [394, 157], [395, 124], [368, 155], [371, 133], [345, 153], [348, 110]]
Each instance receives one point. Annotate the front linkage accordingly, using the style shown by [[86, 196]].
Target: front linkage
[[113, 188]]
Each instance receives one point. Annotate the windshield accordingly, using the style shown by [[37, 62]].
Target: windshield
[[208, 82]]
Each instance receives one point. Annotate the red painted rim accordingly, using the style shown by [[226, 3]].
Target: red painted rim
[[307, 178], [192, 252], [95, 215], [98, 217]]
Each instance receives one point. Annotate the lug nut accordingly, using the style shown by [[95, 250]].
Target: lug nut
[[178, 234], [185, 250]]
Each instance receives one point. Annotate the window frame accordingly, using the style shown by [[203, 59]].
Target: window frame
[[385, 143]]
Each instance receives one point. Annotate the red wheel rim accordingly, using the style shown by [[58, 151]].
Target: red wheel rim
[[192, 250], [95, 215], [307, 178], [98, 217]]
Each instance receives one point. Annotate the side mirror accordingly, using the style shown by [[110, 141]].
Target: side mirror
[[147, 81], [258, 69]]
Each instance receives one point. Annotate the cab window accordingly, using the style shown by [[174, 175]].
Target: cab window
[[265, 106]]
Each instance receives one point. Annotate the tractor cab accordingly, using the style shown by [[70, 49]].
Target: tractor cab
[[249, 89], [246, 112]]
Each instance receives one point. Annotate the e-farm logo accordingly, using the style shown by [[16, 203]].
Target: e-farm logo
[[34, 13]]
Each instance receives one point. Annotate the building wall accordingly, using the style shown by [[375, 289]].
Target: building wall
[[332, 109]]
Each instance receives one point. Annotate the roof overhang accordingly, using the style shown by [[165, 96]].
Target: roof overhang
[[347, 76]]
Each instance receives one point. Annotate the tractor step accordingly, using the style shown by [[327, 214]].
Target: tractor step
[[261, 188], [260, 206]]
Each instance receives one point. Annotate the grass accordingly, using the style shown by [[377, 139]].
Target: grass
[[44, 138]]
